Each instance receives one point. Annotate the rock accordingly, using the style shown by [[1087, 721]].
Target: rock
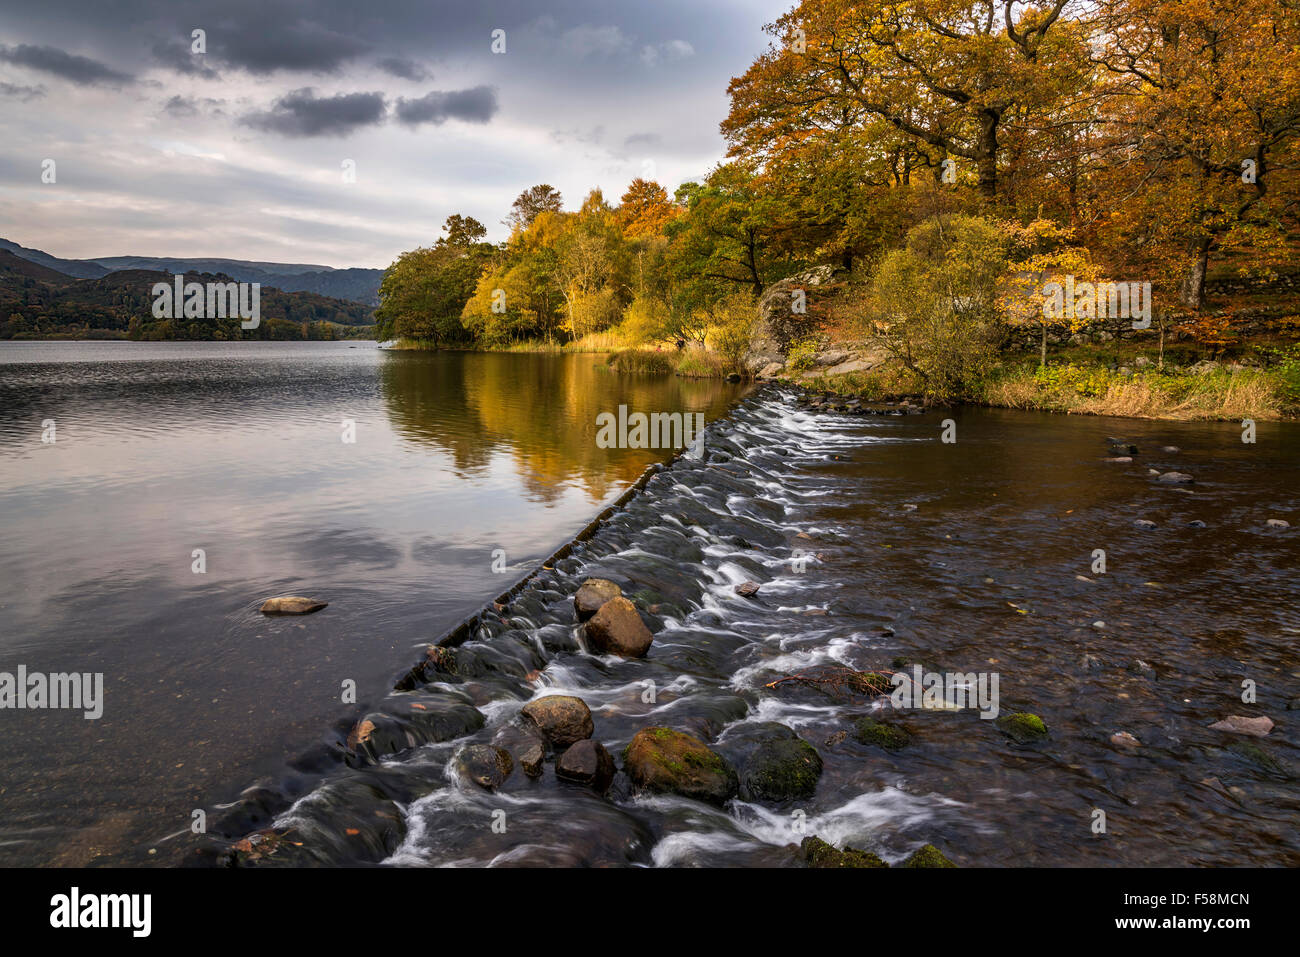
[[291, 605], [562, 719], [1278, 523], [820, 854], [1022, 727], [1239, 724], [1203, 367], [778, 326], [771, 370], [1141, 362], [1197, 523], [1144, 523], [1257, 756], [747, 589], [1119, 459], [485, 765], [593, 593], [883, 735], [617, 629], [1175, 478], [782, 767], [927, 856], [1140, 667], [661, 759], [1125, 740], [829, 358], [526, 744], [1293, 704], [1172, 449], [587, 762], [1118, 447]]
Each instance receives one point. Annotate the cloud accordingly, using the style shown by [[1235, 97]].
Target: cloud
[[76, 69], [287, 44], [643, 139], [404, 68], [302, 113], [589, 41], [475, 105], [23, 93], [666, 52], [178, 57]]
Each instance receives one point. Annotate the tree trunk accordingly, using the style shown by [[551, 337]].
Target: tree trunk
[[986, 152], [1191, 291]]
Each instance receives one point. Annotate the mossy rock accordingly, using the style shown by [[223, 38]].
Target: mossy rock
[[1022, 727], [661, 759], [781, 770], [928, 856], [820, 854], [882, 735]]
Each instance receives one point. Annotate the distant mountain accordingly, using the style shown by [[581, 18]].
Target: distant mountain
[[357, 285], [37, 301]]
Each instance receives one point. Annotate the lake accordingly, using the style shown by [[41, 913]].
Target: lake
[[238, 449]]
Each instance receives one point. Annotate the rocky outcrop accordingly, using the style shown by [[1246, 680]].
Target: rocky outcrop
[[778, 325], [817, 853], [485, 765]]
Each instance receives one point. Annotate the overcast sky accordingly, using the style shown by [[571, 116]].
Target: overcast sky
[[239, 152]]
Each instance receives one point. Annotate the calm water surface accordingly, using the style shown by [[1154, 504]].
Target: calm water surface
[[237, 449]]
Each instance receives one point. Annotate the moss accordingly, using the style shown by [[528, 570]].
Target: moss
[[783, 770], [820, 854], [1257, 756], [887, 736], [1022, 727], [928, 856]]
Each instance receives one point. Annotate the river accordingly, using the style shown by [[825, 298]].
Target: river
[[872, 541]]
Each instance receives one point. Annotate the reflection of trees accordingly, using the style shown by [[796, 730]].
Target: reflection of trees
[[540, 409]]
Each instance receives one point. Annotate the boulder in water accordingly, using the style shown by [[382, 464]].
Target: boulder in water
[[485, 765], [881, 734], [1022, 727], [587, 762], [562, 719], [1239, 724], [661, 759], [1175, 478], [927, 856], [617, 629], [593, 593], [820, 854], [291, 605], [747, 589]]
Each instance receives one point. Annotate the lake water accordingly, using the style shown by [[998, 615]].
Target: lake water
[[238, 449]]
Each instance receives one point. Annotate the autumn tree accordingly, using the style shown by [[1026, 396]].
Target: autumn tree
[[530, 203]]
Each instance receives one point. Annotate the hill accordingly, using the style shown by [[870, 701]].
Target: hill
[[39, 302], [355, 284]]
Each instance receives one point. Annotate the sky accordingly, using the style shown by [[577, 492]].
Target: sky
[[342, 132]]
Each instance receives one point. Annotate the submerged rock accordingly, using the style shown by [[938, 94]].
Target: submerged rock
[[1278, 523], [292, 605], [563, 719], [820, 854], [1022, 727], [1175, 478], [593, 593], [661, 759], [485, 765], [1239, 724], [747, 589], [617, 629], [587, 762], [927, 856], [1124, 740], [526, 744], [1144, 523], [887, 736]]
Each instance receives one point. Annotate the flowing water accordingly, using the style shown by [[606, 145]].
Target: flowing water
[[873, 542], [238, 449]]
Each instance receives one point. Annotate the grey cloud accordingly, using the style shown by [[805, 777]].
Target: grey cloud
[[475, 105], [642, 139], [302, 113], [288, 44], [403, 68], [178, 57], [77, 69], [21, 92]]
